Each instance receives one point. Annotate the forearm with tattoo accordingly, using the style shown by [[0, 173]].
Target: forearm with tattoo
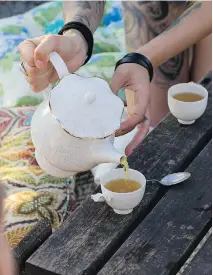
[[185, 14], [145, 20], [87, 12], [191, 27]]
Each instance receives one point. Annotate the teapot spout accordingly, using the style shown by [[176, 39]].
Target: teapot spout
[[104, 152]]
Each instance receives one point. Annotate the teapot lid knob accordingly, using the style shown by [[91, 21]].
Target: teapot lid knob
[[90, 97]]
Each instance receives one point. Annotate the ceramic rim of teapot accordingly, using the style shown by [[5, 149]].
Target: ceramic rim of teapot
[[58, 120]]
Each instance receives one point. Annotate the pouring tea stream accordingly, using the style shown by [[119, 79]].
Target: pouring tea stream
[[73, 129]]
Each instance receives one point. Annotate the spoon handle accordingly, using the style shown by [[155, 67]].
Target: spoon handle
[[153, 180]]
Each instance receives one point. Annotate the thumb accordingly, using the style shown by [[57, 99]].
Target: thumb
[[44, 49], [117, 81]]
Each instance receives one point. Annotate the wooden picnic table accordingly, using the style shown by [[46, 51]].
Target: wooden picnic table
[[164, 235]]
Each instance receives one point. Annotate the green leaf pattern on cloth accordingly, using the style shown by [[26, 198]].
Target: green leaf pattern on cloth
[[12, 29], [31, 194]]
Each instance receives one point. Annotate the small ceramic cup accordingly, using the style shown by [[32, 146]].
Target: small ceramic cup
[[187, 112], [122, 203]]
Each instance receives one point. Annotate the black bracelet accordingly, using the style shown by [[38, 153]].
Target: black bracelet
[[138, 59], [85, 31]]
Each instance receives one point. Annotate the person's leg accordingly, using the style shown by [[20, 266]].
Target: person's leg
[[6, 262], [145, 20], [202, 59]]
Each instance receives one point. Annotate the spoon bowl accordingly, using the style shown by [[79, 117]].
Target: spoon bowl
[[175, 178]]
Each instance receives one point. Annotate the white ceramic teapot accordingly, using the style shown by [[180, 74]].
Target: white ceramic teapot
[[73, 128]]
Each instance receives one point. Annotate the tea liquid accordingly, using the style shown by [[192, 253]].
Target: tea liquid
[[123, 186], [188, 97], [125, 165]]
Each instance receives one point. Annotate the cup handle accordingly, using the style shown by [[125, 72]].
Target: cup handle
[[99, 197], [60, 67]]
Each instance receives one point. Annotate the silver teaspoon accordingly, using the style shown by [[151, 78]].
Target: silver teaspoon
[[173, 179]]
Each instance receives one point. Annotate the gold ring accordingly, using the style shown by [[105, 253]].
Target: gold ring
[[22, 68]]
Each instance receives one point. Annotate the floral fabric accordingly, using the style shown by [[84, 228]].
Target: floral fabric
[[31, 194], [46, 19]]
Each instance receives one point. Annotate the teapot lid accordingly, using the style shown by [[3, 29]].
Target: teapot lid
[[86, 106]]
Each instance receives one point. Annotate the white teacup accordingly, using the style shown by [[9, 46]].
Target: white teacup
[[122, 203], [187, 112]]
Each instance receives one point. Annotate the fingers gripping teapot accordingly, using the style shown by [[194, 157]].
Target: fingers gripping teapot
[[73, 128]]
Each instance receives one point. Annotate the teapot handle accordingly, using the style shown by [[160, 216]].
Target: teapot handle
[[60, 67]]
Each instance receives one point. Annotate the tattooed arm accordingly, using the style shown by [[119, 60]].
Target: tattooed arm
[[191, 27], [88, 12]]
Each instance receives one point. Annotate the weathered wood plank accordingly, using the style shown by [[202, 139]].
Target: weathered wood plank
[[28, 245], [93, 233], [163, 240], [201, 264]]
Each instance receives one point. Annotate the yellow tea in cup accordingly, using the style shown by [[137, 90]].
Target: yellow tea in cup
[[188, 97], [123, 185]]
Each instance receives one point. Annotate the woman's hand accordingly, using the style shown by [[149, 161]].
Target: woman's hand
[[135, 78], [35, 53]]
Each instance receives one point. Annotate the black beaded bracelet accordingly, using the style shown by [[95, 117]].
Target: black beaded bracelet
[[138, 59], [85, 31]]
